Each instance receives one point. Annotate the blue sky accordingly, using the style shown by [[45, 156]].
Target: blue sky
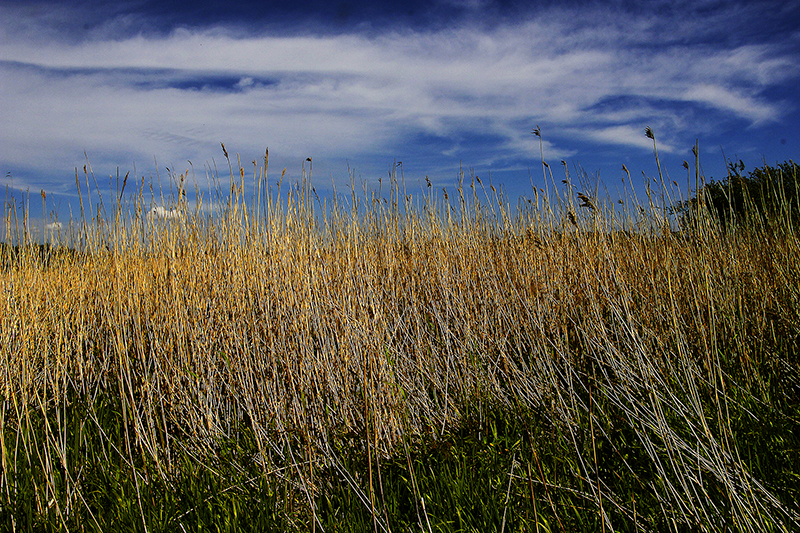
[[147, 85]]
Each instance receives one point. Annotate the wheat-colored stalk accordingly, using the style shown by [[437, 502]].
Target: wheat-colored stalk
[[389, 321]]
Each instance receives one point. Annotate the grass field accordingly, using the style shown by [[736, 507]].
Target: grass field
[[449, 362]]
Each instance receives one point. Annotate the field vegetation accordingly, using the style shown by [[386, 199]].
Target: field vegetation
[[450, 361]]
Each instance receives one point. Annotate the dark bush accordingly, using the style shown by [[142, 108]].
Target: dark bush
[[766, 194]]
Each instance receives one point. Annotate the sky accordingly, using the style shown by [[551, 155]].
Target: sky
[[364, 88]]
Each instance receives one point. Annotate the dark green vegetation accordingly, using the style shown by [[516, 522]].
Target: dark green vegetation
[[376, 369], [752, 198]]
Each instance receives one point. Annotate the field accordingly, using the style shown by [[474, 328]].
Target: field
[[454, 361]]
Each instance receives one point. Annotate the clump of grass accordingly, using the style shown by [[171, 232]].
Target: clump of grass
[[271, 361]]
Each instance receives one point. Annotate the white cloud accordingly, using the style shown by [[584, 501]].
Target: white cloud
[[727, 99], [626, 135], [247, 81], [163, 213]]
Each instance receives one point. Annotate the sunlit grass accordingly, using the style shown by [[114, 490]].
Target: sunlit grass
[[451, 362]]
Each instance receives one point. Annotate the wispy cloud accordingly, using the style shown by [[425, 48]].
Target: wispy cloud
[[746, 106], [627, 135]]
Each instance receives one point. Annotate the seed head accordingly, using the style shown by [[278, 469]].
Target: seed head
[[572, 218], [586, 201]]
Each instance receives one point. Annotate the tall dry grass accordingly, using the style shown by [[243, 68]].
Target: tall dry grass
[[383, 321]]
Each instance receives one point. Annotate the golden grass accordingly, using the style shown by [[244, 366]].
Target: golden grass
[[389, 321]]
